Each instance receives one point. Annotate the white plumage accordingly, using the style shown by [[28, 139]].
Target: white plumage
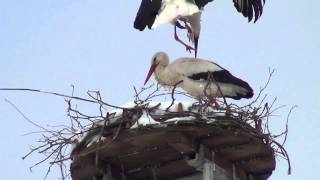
[[198, 78], [171, 10], [185, 10]]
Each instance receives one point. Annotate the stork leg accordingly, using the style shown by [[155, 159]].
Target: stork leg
[[220, 91], [195, 37], [188, 48], [215, 102], [186, 26], [212, 98]]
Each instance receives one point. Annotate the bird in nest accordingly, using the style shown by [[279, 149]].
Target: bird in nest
[[198, 77]]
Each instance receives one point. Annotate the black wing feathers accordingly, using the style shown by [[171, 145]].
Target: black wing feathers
[[148, 10], [250, 7], [224, 76], [146, 14], [202, 3]]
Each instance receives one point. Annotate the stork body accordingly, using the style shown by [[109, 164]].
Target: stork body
[[153, 13], [198, 78]]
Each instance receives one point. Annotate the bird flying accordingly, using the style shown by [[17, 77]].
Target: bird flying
[[200, 78], [153, 13]]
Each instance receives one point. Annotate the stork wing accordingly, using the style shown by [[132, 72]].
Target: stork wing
[[147, 13], [202, 70], [250, 8], [202, 3], [222, 76]]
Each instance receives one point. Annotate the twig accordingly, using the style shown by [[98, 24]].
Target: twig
[[24, 116], [61, 95], [172, 94]]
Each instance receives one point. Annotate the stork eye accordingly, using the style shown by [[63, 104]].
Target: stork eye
[[154, 60]]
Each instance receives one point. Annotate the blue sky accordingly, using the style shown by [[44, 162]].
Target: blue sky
[[51, 44]]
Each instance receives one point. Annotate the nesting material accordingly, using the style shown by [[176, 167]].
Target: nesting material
[[153, 142]]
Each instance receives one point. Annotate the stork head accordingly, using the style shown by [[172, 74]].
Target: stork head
[[160, 59]]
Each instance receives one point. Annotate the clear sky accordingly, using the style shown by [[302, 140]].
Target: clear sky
[[51, 44]]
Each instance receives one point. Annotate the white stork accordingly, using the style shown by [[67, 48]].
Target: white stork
[[200, 78], [153, 13]]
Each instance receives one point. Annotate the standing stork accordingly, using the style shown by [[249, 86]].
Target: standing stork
[[153, 13], [200, 78]]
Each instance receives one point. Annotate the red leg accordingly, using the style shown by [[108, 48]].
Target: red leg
[[215, 103], [188, 48], [186, 26], [195, 38]]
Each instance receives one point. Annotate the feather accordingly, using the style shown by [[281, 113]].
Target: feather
[[250, 7], [147, 14]]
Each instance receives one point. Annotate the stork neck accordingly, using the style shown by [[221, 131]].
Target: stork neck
[[165, 76], [160, 72]]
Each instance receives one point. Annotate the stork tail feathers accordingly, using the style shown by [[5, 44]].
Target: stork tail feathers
[[225, 76]]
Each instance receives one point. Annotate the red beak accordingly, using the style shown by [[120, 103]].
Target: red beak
[[151, 70]]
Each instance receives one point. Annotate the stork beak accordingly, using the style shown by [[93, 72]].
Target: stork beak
[[196, 40], [151, 70]]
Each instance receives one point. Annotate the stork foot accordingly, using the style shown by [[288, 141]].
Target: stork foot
[[189, 48], [215, 103]]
